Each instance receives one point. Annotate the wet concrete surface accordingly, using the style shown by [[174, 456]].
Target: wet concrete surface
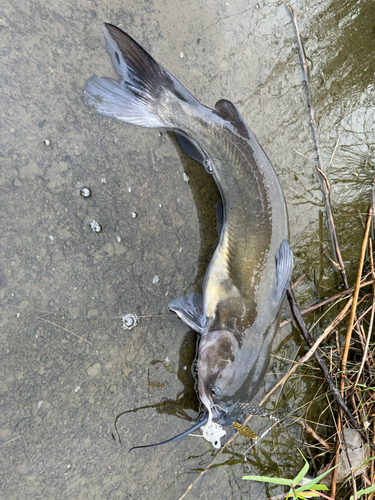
[[68, 367]]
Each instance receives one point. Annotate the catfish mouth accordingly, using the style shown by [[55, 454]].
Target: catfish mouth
[[206, 400], [215, 411]]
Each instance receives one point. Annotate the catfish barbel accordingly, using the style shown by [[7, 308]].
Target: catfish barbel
[[238, 313]]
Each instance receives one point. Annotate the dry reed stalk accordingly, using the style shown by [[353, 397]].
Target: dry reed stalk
[[298, 280], [371, 317], [372, 463], [355, 300]]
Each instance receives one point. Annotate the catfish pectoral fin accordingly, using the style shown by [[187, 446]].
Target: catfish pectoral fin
[[202, 421], [189, 308]]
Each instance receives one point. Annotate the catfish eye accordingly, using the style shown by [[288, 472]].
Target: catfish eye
[[215, 391]]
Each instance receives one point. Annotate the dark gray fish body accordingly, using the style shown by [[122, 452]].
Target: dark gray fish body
[[247, 277]]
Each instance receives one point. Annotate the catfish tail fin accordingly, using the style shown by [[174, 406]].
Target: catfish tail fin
[[144, 85]]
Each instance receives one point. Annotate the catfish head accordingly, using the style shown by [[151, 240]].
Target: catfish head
[[219, 376], [231, 369]]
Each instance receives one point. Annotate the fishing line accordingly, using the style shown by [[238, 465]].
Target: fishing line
[[259, 438]]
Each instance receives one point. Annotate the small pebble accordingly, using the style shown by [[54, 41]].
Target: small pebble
[[103, 180], [160, 205], [155, 279], [51, 238], [95, 226], [118, 239], [185, 177], [134, 215], [77, 388], [93, 370], [85, 192], [181, 54], [68, 466], [129, 189], [47, 142]]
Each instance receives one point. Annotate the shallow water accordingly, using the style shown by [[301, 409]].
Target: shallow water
[[68, 367]]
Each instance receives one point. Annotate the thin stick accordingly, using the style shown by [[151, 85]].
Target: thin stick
[[62, 328], [372, 453], [298, 280], [355, 300], [315, 344], [311, 431], [300, 154], [334, 151], [322, 178]]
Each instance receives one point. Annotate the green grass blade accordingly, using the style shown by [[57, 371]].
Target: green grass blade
[[264, 479], [302, 473], [319, 487]]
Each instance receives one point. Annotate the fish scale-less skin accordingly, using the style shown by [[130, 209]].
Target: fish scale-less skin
[[248, 274]]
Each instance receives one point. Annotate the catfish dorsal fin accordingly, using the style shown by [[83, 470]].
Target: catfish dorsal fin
[[231, 113]]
